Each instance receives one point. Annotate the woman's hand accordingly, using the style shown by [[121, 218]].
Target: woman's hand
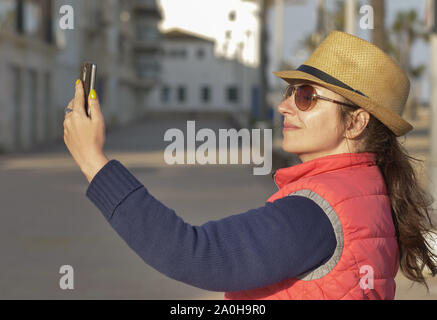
[[85, 136]]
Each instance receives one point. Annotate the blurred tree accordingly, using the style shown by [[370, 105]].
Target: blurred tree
[[405, 31], [263, 6], [334, 20], [286, 65], [312, 40], [310, 43], [337, 16]]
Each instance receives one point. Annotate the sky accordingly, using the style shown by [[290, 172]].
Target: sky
[[210, 17]]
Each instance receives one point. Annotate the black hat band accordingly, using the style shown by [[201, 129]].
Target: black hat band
[[326, 78]]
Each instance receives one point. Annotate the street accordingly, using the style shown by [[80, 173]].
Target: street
[[48, 222]]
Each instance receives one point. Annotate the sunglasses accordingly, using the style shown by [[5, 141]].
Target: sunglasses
[[305, 96]]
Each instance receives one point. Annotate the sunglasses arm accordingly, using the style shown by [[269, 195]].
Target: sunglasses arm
[[332, 100]]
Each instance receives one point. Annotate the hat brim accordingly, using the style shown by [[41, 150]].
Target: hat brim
[[391, 119]]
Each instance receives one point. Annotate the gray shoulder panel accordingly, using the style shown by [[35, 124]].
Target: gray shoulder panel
[[335, 221]]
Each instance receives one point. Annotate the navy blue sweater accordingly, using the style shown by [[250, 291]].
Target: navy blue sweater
[[262, 246]]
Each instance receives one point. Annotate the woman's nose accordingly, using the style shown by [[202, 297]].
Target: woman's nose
[[287, 107]]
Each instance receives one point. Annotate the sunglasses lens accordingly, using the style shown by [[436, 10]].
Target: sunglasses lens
[[304, 97]]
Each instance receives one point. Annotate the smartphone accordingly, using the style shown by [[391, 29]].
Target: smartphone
[[88, 77]]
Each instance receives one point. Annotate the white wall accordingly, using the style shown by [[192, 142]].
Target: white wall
[[193, 73], [40, 118]]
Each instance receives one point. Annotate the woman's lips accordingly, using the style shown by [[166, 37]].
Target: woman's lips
[[288, 127]]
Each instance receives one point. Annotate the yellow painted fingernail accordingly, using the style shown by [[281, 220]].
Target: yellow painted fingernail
[[77, 81], [93, 94]]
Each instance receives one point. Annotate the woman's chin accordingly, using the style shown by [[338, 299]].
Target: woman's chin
[[291, 148]]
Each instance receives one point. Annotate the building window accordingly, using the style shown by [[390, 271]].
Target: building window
[[232, 94], [146, 32], [31, 17], [165, 94], [200, 53], [232, 16], [182, 94], [205, 94], [178, 53], [147, 67]]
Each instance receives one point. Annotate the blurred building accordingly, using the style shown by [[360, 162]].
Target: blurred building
[[195, 78], [39, 63]]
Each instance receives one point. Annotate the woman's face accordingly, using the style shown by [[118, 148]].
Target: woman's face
[[319, 130]]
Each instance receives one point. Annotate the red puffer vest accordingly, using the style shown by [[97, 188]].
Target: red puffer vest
[[351, 190]]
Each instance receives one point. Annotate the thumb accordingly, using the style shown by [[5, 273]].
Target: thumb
[[94, 106]]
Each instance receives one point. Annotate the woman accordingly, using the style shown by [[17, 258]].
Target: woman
[[343, 220]]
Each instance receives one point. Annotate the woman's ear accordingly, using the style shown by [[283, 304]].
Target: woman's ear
[[357, 123]]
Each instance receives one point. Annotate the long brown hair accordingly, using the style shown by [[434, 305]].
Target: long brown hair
[[411, 204]]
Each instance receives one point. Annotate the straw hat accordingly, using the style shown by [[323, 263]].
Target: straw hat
[[360, 72]]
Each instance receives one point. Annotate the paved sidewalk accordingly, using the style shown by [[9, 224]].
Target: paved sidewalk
[[47, 221]]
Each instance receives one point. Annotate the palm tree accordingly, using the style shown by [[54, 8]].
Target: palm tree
[[312, 40], [406, 30], [326, 22]]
